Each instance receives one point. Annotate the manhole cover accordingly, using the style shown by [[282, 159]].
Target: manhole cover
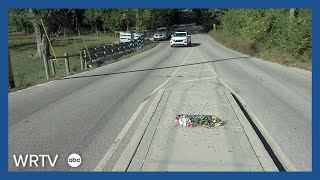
[[208, 121]]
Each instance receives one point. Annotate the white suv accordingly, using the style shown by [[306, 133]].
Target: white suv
[[181, 38]]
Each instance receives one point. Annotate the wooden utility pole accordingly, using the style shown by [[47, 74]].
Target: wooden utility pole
[[10, 73]]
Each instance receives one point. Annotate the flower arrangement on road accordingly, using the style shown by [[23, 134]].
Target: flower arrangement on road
[[198, 120]]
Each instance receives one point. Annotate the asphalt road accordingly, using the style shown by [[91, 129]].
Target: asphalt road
[[85, 113], [279, 96]]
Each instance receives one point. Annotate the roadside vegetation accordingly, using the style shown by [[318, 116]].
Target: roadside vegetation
[[89, 27], [278, 35], [28, 71]]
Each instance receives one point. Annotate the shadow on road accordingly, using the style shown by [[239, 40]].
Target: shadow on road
[[151, 69], [195, 44], [192, 45]]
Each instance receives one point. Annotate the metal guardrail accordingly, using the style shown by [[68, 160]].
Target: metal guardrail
[[109, 51], [96, 54]]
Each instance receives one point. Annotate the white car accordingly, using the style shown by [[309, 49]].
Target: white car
[[161, 34], [181, 38]]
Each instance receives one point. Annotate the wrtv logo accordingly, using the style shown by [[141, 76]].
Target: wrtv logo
[[34, 160]]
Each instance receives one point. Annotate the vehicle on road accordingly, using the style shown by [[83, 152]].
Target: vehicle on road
[[180, 38], [161, 34]]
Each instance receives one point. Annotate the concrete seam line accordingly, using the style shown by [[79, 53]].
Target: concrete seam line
[[261, 153], [157, 116], [192, 80], [275, 147], [166, 81], [115, 144], [245, 127], [243, 145], [195, 71], [128, 153], [214, 73], [273, 144], [107, 156]]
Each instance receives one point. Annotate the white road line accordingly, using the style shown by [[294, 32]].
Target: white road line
[[192, 80], [194, 71], [166, 81], [285, 161], [214, 73], [128, 153], [115, 144], [35, 86], [125, 129]]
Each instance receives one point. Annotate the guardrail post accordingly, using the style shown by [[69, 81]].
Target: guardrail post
[[46, 67], [81, 62], [66, 61], [85, 65], [84, 59], [52, 67]]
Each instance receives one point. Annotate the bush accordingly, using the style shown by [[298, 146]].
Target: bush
[[273, 28]]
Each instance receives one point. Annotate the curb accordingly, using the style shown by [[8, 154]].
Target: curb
[[284, 160], [126, 157], [265, 160], [277, 151]]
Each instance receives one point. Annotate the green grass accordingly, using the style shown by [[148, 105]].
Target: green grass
[[259, 50], [28, 71]]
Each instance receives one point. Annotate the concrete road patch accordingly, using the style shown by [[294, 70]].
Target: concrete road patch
[[167, 147]]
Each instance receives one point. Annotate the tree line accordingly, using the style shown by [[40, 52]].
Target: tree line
[[80, 21], [288, 30]]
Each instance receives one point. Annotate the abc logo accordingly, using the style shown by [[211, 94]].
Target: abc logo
[[74, 160]]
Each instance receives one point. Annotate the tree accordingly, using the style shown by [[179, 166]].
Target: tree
[[78, 18], [53, 22], [93, 17], [127, 19], [138, 20], [42, 41], [285, 30], [19, 20], [57, 21], [207, 17], [154, 18]]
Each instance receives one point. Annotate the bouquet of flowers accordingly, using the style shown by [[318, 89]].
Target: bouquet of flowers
[[195, 120]]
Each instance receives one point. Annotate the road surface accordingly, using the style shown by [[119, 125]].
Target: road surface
[[88, 112]]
